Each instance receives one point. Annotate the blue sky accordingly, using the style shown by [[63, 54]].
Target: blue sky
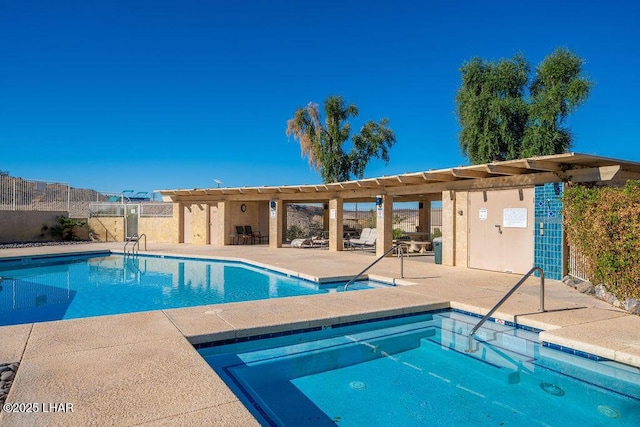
[[147, 95]]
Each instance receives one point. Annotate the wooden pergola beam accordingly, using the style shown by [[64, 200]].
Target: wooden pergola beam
[[469, 173], [504, 170], [541, 165]]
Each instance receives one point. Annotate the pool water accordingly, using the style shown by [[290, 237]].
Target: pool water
[[417, 371], [85, 286]]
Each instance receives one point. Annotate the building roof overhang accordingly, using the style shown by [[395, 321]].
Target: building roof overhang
[[568, 167]]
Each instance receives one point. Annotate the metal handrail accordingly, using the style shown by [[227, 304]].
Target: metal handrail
[[136, 243], [145, 241], [504, 298], [375, 262], [129, 240]]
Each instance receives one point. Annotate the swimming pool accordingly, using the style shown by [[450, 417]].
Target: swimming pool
[[417, 371], [67, 287]]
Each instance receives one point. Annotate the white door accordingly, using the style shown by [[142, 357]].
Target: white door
[[213, 225], [187, 233], [501, 224]]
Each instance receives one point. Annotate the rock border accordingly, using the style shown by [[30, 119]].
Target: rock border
[[631, 305], [15, 245], [7, 374]]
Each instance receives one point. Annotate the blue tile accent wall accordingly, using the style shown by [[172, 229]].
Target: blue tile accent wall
[[548, 244]]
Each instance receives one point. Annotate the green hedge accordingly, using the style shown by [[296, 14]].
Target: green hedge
[[603, 223]]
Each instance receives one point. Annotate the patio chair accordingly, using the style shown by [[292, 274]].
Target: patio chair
[[319, 241], [366, 232], [240, 235], [253, 235], [370, 241]]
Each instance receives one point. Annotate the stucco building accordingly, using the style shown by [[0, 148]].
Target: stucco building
[[501, 216]]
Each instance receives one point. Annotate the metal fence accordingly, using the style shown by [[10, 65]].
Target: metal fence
[[116, 209], [405, 219], [19, 194], [578, 266], [308, 218]]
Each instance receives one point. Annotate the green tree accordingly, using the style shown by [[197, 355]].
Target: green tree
[[323, 144], [503, 117], [491, 108], [557, 91]]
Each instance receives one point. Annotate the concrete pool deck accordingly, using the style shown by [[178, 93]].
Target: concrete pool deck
[[142, 368]]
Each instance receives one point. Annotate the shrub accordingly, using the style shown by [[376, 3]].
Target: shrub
[[65, 229], [398, 233], [604, 225], [295, 232]]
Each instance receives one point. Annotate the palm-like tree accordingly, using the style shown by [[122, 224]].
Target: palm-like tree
[[323, 144]]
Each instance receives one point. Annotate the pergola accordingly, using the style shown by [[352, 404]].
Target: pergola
[[424, 186]]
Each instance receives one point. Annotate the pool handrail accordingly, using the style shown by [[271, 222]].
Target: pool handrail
[[136, 243], [394, 247], [504, 298]]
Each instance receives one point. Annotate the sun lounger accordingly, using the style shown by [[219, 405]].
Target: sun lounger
[[369, 240], [366, 232], [310, 242], [301, 243]]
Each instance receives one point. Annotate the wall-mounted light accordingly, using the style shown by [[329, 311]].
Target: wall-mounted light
[[325, 206], [272, 204], [420, 205], [378, 200]]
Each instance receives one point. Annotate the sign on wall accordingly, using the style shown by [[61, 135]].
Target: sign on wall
[[482, 214], [514, 218]]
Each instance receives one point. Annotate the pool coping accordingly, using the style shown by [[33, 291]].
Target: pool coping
[[68, 359]]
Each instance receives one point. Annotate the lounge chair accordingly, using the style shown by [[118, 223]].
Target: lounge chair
[[302, 243], [320, 242], [363, 237], [310, 242], [370, 242], [366, 240]]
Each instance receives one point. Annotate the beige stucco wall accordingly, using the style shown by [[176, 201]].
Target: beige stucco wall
[[159, 229], [384, 225], [224, 224], [336, 206], [204, 228], [107, 229], [26, 226], [156, 229], [278, 224], [199, 223], [448, 228], [461, 228], [256, 215]]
